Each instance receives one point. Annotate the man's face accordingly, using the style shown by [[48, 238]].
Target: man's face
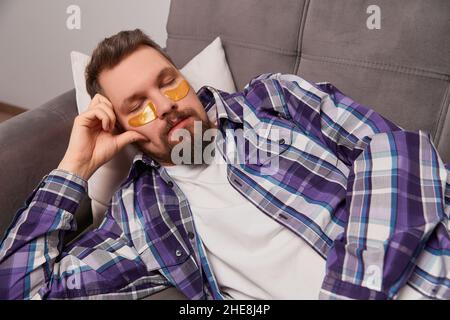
[[145, 76]]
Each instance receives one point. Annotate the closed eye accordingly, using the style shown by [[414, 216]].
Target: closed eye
[[136, 107], [170, 82]]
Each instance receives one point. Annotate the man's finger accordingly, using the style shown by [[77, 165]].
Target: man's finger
[[109, 112], [105, 100], [129, 137], [98, 98], [89, 118]]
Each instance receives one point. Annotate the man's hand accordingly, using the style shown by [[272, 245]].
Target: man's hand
[[94, 139]]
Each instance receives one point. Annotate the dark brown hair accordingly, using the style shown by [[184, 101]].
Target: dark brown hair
[[111, 51]]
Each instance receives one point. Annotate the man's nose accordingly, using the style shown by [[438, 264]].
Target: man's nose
[[165, 106]]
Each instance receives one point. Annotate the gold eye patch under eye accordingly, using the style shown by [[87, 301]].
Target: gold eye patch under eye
[[148, 115], [179, 92]]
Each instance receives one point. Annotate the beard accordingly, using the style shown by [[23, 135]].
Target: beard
[[188, 146]]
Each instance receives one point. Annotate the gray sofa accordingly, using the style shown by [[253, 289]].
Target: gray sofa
[[401, 70]]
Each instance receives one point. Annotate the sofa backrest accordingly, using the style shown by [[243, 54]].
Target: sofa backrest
[[401, 70]]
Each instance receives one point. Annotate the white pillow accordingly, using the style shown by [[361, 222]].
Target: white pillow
[[209, 67]]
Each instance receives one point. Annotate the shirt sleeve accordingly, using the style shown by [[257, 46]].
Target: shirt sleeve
[[395, 190], [34, 263]]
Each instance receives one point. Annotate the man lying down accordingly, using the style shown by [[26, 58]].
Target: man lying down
[[285, 190]]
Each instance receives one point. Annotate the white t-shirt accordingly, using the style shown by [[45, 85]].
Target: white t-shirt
[[252, 256]]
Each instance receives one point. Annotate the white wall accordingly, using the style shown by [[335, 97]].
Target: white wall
[[35, 42]]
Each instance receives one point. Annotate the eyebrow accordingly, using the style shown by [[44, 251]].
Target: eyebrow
[[135, 96]]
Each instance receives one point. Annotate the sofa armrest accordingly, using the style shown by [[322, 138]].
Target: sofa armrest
[[32, 144]]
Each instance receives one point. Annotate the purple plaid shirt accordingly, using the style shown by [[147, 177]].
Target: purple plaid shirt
[[369, 197]]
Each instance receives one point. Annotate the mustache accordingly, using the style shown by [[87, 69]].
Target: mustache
[[175, 117]]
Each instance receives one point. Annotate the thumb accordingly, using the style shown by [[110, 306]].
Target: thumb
[[129, 137]]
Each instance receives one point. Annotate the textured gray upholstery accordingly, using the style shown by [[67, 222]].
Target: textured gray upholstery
[[401, 70]]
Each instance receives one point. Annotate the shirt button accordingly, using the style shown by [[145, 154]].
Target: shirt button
[[170, 184], [281, 141], [191, 235], [42, 184], [178, 253]]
